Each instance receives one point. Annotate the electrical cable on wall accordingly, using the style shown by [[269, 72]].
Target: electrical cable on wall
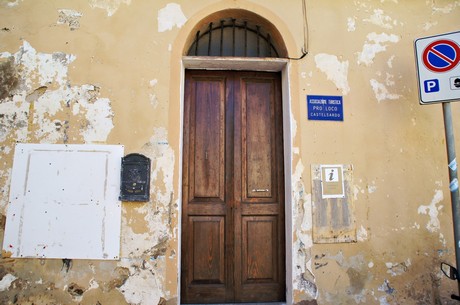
[[304, 49]]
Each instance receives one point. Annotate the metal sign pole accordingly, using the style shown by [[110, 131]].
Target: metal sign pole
[[437, 59], [454, 193]]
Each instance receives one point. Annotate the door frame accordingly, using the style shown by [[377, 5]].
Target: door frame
[[248, 64]]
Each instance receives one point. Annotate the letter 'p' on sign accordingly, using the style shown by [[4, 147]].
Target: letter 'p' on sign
[[431, 85]]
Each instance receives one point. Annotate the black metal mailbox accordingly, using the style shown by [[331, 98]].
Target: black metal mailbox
[[135, 178]]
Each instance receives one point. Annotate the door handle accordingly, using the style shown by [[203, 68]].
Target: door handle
[[260, 190]]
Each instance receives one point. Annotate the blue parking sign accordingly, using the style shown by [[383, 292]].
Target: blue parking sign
[[431, 85]]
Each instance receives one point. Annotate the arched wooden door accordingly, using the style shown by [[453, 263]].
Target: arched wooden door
[[233, 188]]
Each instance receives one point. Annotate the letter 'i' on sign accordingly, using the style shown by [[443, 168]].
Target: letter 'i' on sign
[[332, 174], [332, 185]]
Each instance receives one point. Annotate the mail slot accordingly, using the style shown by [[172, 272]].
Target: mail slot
[[135, 178]]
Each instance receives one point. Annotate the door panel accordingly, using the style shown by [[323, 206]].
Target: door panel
[[259, 249], [260, 191], [233, 188], [257, 106], [208, 250], [206, 206], [207, 134]]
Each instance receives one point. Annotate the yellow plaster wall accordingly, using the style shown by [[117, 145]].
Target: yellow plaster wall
[[110, 72]]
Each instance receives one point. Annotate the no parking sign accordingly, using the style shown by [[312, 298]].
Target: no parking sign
[[438, 67]]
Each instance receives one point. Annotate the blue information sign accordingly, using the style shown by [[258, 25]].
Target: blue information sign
[[325, 107]]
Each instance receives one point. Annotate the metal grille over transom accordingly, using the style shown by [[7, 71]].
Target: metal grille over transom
[[233, 37]]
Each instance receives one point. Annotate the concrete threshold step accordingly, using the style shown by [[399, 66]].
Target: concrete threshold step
[[272, 303]]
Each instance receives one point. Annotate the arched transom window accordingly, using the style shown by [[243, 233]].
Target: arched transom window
[[238, 37]]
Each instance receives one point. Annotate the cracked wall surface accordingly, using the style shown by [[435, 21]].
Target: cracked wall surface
[[110, 72]]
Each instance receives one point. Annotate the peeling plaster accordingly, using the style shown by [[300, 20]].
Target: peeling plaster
[[383, 300], [93, 284], [69, 17], [375, 43], [111, 6], [4, 189], [29, 107], [446, 9], [385, 287], [356, 261], [162, 165], [293, 128], [149, 249], [153, 97], [41, 68], [371, 188], [442, 240], [170, 16], [133, 244], [381, 92], [390, 61], [357, 271], [336, 71], [362, 234], [13, 121], [428, 25], [303, 278], [379, 19], [432, 210], [398, 268], [356, 191], [97, 111], [143, 286], [6, 281], [12, 3], [351, 24]]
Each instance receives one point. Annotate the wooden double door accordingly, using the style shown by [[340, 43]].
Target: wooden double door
[[233, 247]]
